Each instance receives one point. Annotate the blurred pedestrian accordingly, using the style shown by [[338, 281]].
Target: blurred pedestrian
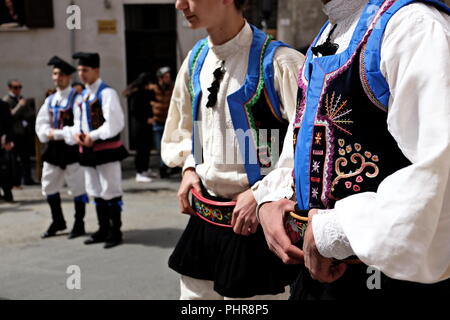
[[6, 157], [23, 119], [139, 99], [160, 106]]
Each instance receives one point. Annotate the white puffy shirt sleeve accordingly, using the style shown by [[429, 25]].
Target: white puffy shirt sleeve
[[43, 126], [176, 144], [404, 228], [113, 115]]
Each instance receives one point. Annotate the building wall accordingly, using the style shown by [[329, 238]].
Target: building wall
[[300, 20], [24, 53]]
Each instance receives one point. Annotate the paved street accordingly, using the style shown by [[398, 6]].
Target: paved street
[[31, 268]]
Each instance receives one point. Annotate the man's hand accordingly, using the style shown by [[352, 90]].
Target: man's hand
[[190, 180], [79, 139], [320, 268], [51, 134], [271, 216], [150, 121], [22, 102], [88, 142], [244, 221]]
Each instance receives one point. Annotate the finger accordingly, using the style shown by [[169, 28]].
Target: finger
[[187, 206], [234, 216], [245, 227], [238, 224], [291, 254], [290, 206], [197, 186], [295, 253], [254, 227]]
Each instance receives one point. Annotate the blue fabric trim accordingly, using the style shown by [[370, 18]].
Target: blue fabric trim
[[372, 55], [83, 198], [53, 196], [116, 201], [196, 145], [98, 95], [236, 103]]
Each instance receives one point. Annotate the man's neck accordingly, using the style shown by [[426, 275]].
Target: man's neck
[[61, 88], [90, 84], [226, 31]]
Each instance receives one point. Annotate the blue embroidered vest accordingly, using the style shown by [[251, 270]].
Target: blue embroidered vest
[[341, 140], [103, 151], [255, 106], [58, 153], [62, 116]]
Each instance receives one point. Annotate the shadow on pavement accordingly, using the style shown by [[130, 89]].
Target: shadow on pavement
[[163, 238]]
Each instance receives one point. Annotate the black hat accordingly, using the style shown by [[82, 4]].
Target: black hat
[[59, 63], [87, 59]]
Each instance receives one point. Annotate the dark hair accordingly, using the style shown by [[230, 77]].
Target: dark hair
[[240, 4], [10, 82]]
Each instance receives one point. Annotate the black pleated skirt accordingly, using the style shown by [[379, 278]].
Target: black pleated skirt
[[240, 266]]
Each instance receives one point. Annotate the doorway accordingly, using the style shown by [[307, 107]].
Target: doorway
[[150, 37]]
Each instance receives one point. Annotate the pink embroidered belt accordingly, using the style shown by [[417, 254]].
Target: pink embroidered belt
[[107, 145], [104, 146], [214, 212]]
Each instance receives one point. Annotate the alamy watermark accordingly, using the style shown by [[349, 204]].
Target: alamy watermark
[[73, 21], [374, 280], [73, 281], [237, 146]]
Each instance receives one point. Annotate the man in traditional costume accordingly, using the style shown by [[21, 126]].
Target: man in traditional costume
[[100, 120], [233, 88], [54, 126], [371, 146]]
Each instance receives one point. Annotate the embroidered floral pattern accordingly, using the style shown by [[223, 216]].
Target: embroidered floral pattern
[[363, 165], [214, 214], [338, 112]]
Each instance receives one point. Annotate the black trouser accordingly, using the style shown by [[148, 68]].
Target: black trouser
[[23, 161], [143, 146], [6, 173]]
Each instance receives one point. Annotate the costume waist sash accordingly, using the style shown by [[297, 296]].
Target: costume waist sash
[[218, 213]]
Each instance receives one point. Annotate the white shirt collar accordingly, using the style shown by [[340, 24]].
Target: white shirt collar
[[92, 88], [65, 92], [241, 40]]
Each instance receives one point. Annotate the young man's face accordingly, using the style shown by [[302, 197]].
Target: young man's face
[[200, 13], [60, 79], [88, 75]]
